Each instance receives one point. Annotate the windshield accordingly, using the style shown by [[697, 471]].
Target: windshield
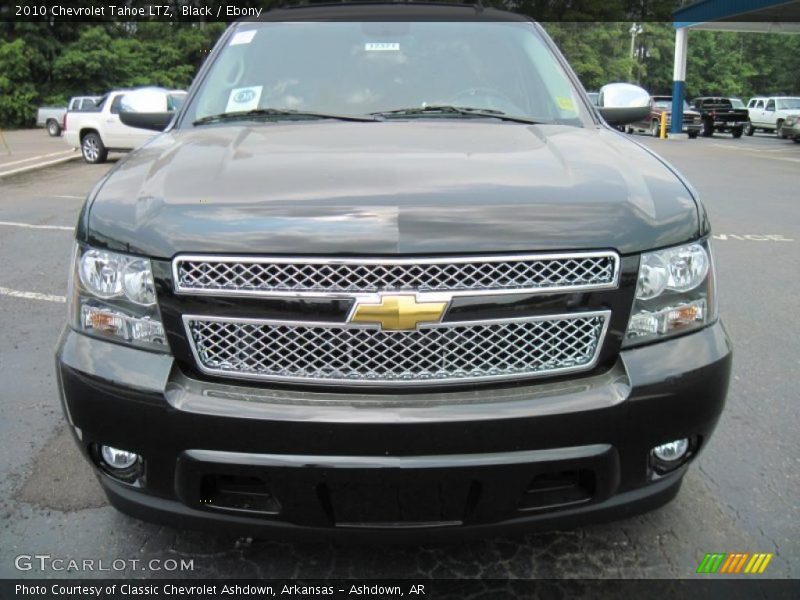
[[349, 68], [784, 103]]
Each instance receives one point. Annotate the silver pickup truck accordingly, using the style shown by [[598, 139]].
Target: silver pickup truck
[[52, 117]]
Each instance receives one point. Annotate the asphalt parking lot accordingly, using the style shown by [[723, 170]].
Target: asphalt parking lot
[[742, 495]]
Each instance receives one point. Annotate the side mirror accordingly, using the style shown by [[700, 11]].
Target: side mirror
[[623, 103], [156, 121], [146, 108]]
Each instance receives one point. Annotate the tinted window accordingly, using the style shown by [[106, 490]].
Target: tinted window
[[771, 105], [175, 100], [116, 104], [788, 103], [760, 104]]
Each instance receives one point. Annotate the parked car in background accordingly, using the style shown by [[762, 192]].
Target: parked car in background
[[718, 114], [51, 117], [100, 131], [663, 104], [768, 112], [790, 128]]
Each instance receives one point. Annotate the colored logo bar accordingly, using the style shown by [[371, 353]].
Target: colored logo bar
[[734, 563]]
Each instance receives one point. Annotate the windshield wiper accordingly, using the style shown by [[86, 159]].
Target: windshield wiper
[[447, 109], [277, 113]]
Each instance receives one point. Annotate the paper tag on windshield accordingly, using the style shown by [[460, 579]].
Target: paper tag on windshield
[[245, 98], [242, 37], [565, 103], [382, 46]]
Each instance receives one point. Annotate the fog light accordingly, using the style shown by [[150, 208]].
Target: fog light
[[118, 459], [671, 451]]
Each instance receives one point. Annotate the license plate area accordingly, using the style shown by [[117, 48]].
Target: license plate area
[[395, 498], [397, 492]]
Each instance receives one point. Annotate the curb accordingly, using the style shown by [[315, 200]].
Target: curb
[[37, 166]]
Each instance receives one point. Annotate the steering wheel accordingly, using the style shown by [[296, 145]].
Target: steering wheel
[[486, 95]]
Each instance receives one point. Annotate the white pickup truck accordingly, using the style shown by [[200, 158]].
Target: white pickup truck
[[769, 112], [100, 131], [51, 117]]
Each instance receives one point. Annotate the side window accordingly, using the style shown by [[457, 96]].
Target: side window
[[760, 104], [175, 101], [116, 104], [771, 105], [751, 104]]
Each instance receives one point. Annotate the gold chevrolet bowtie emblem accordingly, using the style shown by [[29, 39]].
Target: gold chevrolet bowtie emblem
[[399, 312]]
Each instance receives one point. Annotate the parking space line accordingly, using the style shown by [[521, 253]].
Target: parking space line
[[30, 158], [752, 237], [36, 166], [30, 226], [4, 291], [758, 151]]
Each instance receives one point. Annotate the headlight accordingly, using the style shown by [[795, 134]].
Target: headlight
[[675, 293], [113, 296]]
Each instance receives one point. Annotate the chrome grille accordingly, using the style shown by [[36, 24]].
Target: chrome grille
[[265, 276], [355, 354]]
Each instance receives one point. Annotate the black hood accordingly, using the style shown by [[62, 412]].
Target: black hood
[[395, 187]]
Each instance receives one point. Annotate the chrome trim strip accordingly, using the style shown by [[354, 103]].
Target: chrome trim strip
[[178, 289], [332, 382], [397, 462]]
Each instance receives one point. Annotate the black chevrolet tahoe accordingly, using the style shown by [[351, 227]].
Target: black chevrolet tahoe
[[388, 272]]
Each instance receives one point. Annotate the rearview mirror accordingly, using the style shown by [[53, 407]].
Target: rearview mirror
[[148, 108], [623, 103]]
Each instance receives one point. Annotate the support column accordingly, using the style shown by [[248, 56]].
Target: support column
[[679, 79]]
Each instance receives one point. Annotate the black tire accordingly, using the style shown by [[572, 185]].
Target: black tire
[[749, 129], [654, 128], [93, 150], [778, 126], [693, 134], [737, 132], [708, 128], [53, 128], [797, 140]]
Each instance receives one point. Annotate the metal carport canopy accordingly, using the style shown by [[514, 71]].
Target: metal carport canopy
[[757, 16]]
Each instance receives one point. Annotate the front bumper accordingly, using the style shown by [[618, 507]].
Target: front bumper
[[546, 454]]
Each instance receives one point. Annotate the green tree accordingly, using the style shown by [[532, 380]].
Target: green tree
[[17, 92]]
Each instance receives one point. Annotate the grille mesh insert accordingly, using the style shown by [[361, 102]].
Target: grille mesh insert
[[448, 352], [240, 275]]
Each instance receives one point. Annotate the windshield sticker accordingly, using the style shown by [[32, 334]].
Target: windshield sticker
[[245, 98], [243, 37], [381, 46], [565, 103]]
